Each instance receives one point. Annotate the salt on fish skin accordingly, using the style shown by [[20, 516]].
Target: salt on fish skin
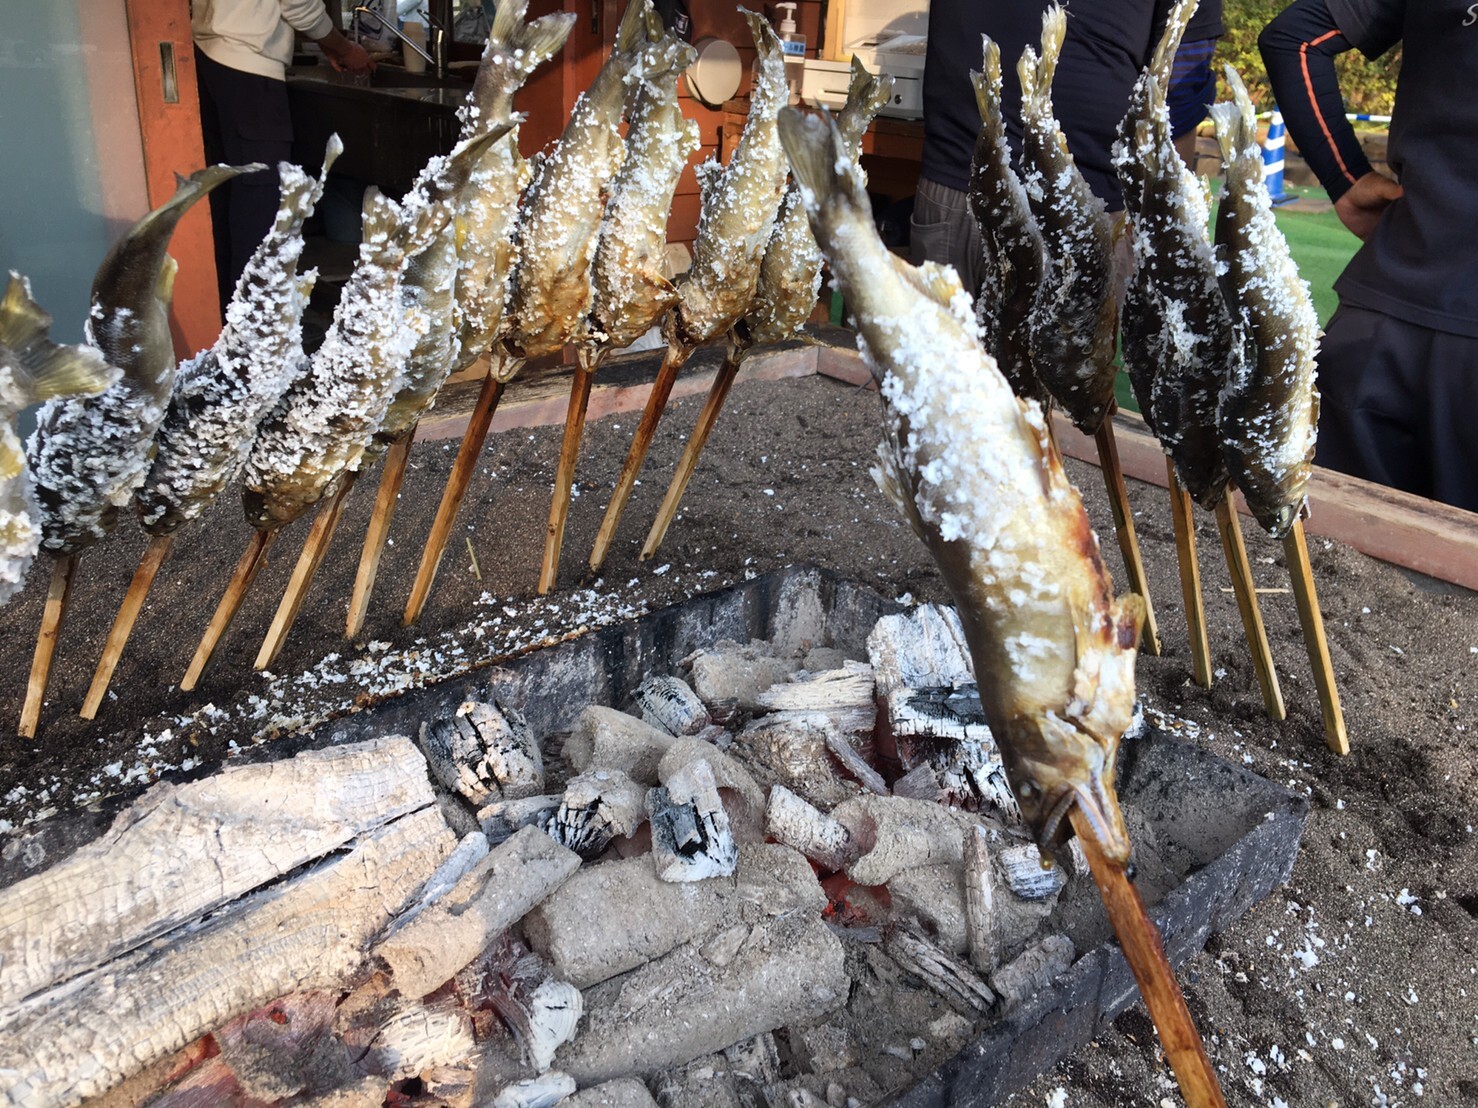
[[631, 289], [1015, 254], [488, 206], [1072, 327], [1178, 336], [790, 274], [739, 205], [320, 430], [973, 470], [32, 369], [559, 224], [87, 457], [224, 392], [1269, 411]]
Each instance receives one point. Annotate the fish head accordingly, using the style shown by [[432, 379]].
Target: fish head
[[1053, 764]]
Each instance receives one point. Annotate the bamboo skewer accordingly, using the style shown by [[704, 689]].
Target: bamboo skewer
[[386, 499], [253, 558], [1295, 547], [1190, 576], [1140, 941], [717, 394], [641, 442], [1244, 588], [457, 483], [58, 597], [569, 455], [309, 559], [128, 613], [1118, 494]]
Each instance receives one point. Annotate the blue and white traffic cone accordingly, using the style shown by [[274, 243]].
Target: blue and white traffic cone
[[1272, 160]]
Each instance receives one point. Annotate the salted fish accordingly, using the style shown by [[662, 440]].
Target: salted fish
[[321, 428], [1177, 331], [974, 471], [740, 203], [32, 369], [790, 274], [1073, 322], [631, 288], [225, 391], [488, 206], [87, 457], [1015, 254], [1269, 411], [559, 227]]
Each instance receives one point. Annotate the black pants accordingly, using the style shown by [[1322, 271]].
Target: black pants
[[244, 118], [1397, 405]]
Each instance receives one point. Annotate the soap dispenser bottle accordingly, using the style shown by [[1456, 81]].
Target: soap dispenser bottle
[[793, 45]]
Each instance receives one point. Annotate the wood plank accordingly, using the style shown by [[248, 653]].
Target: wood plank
[[172, 144], [248, 824], [308, 933]]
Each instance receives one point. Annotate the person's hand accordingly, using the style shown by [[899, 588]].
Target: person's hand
[[345, 56], [1361, 207]]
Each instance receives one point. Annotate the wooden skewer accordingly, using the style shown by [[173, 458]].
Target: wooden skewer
[[1242, 584], [128, 613], [451, 496], [1140, 941], [1118, 494], [717, 394], [391, 478], [253, 558], [58, 596], [641, 442], [569, 455], [311, 557], [1297, 551], [1190, 576]]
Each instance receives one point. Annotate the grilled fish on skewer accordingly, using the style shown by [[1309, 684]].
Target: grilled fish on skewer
[[973, 470], [631, 289], [1185, 357], [1016, 254], [488, 207], [322, 426], [223, 393], [740, 203], [88, 456], [32, 369], [1072, 326], [559, 226], [1270, 410], [789, 282]]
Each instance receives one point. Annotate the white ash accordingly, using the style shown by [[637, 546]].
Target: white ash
[[670, 704]]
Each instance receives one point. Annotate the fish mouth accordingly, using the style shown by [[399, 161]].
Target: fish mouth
[[1103, 816]]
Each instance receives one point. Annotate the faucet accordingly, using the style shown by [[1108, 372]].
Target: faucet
[[436, 59]]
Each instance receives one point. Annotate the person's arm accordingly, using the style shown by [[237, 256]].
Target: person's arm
[[1298, 48], [311, 18]]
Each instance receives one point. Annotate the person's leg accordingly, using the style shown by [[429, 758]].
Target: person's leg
[[944, 230], [1452, 378], [1372, 400], [253, 125]]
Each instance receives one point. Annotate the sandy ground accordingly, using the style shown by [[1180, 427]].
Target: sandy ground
[[1351, 985]]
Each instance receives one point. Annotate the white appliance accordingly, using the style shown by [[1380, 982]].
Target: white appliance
[[887, 36]]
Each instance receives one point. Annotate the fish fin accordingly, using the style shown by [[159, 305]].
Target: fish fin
[[990, 64], [1235, 120], [306, 282], [820, 164], [709, 172], [463, 159], [380, 217], [635, 27], [939, 283], [53, 369], [765, 39], [164, 285], [867, 95], [896, 483]]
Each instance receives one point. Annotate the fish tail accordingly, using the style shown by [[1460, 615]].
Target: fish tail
[[820, 163], [515, 49], [1028, 73], [1235, 120], [867, 95], [765, 39], [988, 81], [635, 29], [1054, 31], [52, 368], [1164, 59], [380, 217], [669, 54], [192, 188]]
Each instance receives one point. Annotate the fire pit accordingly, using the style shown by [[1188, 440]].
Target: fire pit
[[726, 967]]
